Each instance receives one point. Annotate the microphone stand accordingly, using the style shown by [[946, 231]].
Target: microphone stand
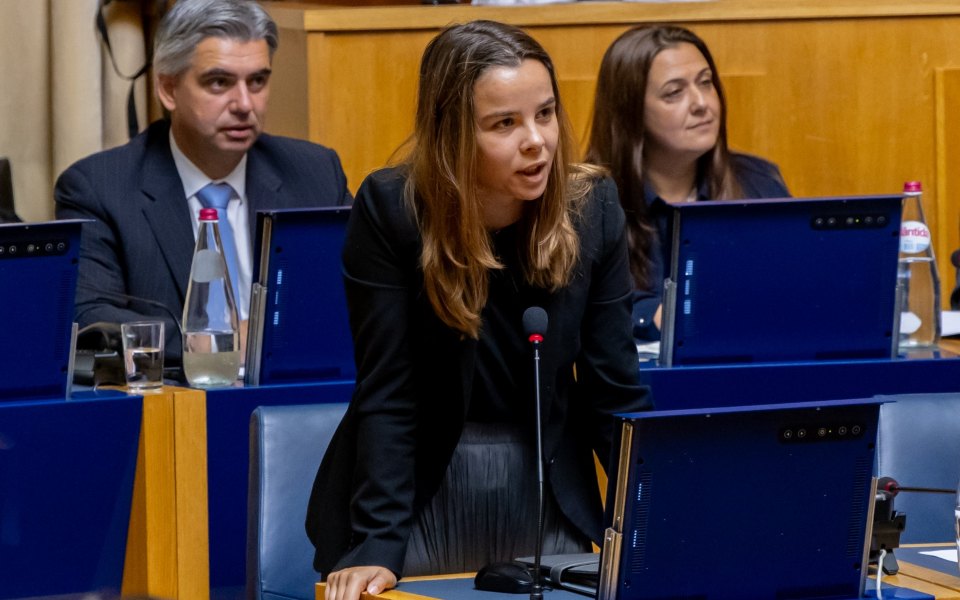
[[536, 593]]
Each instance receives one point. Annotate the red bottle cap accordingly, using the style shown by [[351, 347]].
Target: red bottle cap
[[912, 186], [208, 214]]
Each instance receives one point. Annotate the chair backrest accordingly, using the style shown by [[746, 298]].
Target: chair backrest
[[287, 444], [919, 446]]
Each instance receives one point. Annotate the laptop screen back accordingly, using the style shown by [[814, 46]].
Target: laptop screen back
[[733, 503], [299, 325], [782, 280], [38, 276]]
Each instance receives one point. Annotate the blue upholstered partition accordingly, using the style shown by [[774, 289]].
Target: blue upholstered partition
[[919, 446]]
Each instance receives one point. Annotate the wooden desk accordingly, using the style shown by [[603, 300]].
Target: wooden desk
[[167, 545], [941, 585], [951, 345], [187, 531], [847, 96], [395, 594]]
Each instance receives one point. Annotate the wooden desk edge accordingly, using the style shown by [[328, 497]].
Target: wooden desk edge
[[399, 594], [930, 575]]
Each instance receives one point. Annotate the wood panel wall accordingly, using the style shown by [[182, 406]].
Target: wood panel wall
[[848, 97]]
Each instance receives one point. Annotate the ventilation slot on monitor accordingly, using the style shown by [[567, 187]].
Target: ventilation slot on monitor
[[857, 522]]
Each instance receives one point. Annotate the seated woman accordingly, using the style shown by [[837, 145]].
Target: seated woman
[[486, 217], [659, 126]]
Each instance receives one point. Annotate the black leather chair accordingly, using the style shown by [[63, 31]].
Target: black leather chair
[[286, 446], [8, 213], [919, 446]]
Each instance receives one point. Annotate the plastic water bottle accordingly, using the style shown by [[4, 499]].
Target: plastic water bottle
[[211, 339], [917, 279]]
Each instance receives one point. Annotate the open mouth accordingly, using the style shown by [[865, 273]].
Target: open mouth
[[534, 170]]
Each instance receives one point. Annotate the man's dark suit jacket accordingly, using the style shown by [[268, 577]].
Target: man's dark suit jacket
[[141, 240], [415, 374]]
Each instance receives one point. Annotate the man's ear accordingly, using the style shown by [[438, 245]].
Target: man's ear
[[166, 86]]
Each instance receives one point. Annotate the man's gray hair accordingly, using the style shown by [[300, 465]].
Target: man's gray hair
[[189, 22]]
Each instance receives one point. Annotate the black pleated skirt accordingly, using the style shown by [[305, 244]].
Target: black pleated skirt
[[486, 508]]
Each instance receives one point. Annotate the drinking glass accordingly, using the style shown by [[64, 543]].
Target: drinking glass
[[143, 355]]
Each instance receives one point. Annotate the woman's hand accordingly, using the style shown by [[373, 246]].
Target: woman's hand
[[348, 584]]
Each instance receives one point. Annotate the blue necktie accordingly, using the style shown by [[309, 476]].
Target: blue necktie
[[217, 195]]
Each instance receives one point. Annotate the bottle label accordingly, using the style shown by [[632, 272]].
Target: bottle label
[[207, 266], [914, 237]]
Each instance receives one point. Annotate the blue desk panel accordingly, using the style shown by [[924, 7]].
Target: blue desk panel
[[228, 460], [66, 484], [685, 387]]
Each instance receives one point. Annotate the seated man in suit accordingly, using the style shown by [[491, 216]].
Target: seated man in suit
[[212, 63]]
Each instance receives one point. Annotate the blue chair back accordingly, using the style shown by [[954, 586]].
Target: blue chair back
[[286, 446], [919, 446]]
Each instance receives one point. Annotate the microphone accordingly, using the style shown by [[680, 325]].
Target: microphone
[[534, 326], [129, 298], [513, 577], [955, 258], [889, 487], [173, 371]]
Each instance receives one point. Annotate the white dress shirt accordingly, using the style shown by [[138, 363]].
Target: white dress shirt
[[193, 181]]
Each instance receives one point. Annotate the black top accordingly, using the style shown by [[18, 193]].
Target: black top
[[758, 178], [503, 375], [417, 378]]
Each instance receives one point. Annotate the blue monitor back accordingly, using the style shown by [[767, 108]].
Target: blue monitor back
[[736, 503], [782, 280], [38, 276], [305, 335]]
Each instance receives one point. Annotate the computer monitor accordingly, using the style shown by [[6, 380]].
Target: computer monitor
[[746, 502], [38, 276], [779, 280], [299, 330]]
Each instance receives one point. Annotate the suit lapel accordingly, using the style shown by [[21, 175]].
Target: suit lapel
[[264, 187], [165, 208]]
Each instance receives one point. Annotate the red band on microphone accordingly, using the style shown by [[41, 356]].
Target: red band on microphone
[[535, 338]]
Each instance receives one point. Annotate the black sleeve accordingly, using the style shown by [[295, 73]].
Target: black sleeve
[[607, 367], [379, 263], [101, 261]]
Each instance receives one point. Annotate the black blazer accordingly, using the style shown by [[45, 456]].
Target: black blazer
[[141, 241], [414, 377]]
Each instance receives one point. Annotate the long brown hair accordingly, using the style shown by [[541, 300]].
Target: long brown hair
[[617, 131], [441, 187]]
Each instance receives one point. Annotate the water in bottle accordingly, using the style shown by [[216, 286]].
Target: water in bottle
[[211, 339], [918, 282]]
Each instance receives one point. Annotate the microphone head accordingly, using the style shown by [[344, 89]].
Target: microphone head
[[955, 258], [888, 485], [535, 321]]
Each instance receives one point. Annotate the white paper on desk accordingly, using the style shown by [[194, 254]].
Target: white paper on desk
[[950, 323], [648, 350], [946, 554]]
